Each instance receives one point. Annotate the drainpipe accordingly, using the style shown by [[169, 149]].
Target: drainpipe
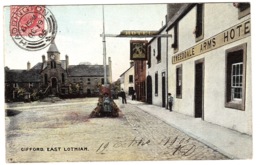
[[167, 75]]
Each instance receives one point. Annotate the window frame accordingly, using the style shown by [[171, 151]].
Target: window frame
[[175, 44], [149, 52], [199, 22], [159, 50], [179, 76], [131, 78], [156, 83], [237, 103], [243, 13]]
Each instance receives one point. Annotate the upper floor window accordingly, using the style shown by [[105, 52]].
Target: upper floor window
[[243, 9], [53, 64], [175, 44], [149, 54], [130, 78], [15, 85], [199, 22], [158, 57], [30, 85]]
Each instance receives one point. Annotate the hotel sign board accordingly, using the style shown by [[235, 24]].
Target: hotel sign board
[[138, 49], [228, 36], [137, 33]]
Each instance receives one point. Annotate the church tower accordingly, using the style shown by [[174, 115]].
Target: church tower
[[53, 52], [53, 74]]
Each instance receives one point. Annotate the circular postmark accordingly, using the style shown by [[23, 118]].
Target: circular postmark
[[32, 27]]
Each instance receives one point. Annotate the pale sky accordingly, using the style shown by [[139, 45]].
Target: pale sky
[[79, 29]]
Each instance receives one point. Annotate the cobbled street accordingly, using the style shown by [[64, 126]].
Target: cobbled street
[[62, 131]]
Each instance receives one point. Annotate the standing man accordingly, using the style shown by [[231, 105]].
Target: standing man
[[123, 97], [170, 101]]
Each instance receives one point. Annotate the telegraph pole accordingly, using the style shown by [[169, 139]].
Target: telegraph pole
[[104, 49]]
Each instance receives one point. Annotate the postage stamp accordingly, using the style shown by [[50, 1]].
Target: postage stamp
[[32, 27]]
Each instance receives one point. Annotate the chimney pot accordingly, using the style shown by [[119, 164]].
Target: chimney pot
[[28, 65]]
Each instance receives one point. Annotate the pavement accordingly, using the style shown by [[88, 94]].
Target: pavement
[[231, 143]]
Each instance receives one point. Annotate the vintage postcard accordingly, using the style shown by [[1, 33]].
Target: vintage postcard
[[127, 82]]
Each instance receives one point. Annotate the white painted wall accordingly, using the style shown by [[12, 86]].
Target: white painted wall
[[218, 17], [125, 80], [157, 67]]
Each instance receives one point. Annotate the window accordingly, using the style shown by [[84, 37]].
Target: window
[[149, 56], [62, 78], [243, 9], [53, 64], [130, 78], [158, 57], [156, 84], [199, 22], [45, 79], [15, 85], [179, 81], [236, 81], [102, 81], [30, 85], [175, 44], [130, 90], [235, 77]]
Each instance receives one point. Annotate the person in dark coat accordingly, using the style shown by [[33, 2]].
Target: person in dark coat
[[170, 101], [123, 97], [133, 94]]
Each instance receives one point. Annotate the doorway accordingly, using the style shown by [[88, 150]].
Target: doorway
[[54, 85], [199, 88], [163, 90], [149, 87]]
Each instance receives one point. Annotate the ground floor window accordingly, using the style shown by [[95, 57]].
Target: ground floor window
[[179, 81], [235, 77]]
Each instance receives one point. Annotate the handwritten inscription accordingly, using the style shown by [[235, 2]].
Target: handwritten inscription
[[170, 145]]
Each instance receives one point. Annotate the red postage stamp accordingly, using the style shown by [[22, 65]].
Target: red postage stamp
[[32, 27]]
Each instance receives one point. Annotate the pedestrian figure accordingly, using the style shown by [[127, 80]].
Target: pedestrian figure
[[170, 101], [123, 97], [133, 94]]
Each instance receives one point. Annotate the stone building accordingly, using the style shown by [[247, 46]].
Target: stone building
[[54, 76]]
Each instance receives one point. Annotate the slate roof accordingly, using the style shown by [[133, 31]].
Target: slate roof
[[126, 71], [33, 75], [22, 76], [86, 70], [53, 47]]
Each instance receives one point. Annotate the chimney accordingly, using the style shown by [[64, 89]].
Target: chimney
[[132, 63], [43, 58], [28, 65], [67, 61]]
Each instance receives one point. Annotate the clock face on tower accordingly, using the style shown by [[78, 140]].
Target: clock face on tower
[[52, 57]]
